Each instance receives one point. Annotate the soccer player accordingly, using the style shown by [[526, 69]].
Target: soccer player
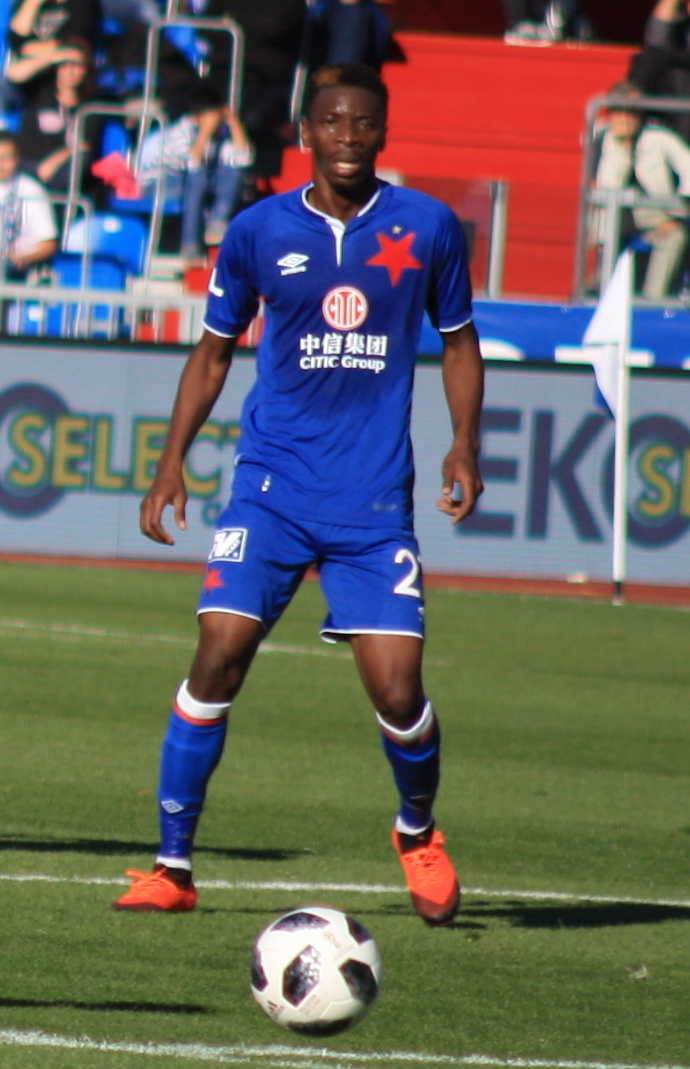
[[324, 474]]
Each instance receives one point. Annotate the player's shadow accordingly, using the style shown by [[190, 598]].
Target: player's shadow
[[124, 847], [118, 1007], [576, 915]]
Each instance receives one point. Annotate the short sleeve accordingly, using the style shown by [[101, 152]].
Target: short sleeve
[[450, 297], [233, 293]]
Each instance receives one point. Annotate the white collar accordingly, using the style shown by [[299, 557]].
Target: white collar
[[330, 219]]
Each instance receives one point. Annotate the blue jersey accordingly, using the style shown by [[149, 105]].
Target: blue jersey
[[326, 427]]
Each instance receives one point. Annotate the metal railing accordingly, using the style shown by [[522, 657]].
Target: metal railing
[[612, 202], [143, 316], [122, 111], [226, 25], [147, 112], [151, 315], [498, 231]]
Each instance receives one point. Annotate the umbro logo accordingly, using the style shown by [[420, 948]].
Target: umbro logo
[[171, 806], [293, 264]]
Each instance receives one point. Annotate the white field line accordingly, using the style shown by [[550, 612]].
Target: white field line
[[69, 631], [357, 888], [279, 1057]]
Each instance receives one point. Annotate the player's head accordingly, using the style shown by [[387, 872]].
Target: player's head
[[625, 122], [9, 155], [353, 75], [344, 125], [206, 97]]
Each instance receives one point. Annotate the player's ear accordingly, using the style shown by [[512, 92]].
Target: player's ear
[[304, 138]]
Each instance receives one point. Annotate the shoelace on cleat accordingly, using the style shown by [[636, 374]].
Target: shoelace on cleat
[[137, 875], [425, 860]]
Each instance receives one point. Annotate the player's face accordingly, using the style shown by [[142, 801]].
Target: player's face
[[625, 124], [345, 130], [8, 161]]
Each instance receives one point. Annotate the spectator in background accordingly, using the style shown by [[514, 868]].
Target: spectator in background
[[347, 31], [203, 156], [39, 28], [47, 134], [35, 32], [632, 151], [28, 230], [10, 101], [663, 66], [544, 22], [122, 73], [274, 32]]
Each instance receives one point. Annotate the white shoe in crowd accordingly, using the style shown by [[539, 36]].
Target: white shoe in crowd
[[528, 33]]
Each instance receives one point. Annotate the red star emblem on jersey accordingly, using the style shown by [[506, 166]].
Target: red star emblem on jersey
[[395, 256], [213, 580]]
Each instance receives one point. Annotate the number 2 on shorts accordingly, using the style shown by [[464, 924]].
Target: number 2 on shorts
[[407, 583]]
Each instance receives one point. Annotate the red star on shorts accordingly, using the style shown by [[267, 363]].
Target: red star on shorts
[[213, 580], [395, 256]]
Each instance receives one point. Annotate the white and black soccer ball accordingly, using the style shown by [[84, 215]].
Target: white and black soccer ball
[[316, 970]]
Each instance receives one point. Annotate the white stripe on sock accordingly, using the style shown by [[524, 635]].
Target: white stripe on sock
[[199, 710], [413, 734]]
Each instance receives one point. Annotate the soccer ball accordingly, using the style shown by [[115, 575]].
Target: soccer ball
[[316, 971]]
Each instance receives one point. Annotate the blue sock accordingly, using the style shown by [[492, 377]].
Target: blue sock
[[416, 768], [190, 754]]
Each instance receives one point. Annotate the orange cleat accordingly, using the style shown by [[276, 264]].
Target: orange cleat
[[157, 891], [431, 879]]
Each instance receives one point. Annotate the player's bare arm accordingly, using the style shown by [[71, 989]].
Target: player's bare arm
[[463, 380], [200, 384]]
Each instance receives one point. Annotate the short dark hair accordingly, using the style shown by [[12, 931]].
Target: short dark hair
[[625, 90], [355, 75], [206, 97], [8, 138]]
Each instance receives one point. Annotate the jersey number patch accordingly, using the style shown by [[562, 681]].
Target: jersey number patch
[[407, 583]]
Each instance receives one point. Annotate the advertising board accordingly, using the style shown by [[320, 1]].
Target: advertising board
[[81, 429]]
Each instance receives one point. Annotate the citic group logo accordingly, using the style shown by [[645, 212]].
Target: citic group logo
[[345, 308]]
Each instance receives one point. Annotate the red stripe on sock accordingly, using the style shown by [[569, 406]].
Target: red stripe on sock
[[195, 720]]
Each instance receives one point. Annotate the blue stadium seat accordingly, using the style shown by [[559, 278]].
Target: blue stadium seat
[[57, 319], [115, 138], [108, 235], [117, 252]]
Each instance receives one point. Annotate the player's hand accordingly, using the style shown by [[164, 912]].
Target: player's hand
[[166, 490], [462, 484]]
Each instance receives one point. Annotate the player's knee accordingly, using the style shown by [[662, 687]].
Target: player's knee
[[222, 659], [399, 705], [214, 678]]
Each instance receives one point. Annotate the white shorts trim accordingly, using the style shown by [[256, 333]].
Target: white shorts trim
[[233, 612], [447, 330], [333, 635]]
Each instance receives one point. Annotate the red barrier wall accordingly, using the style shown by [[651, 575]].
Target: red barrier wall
[[619, 21], [476, 108]]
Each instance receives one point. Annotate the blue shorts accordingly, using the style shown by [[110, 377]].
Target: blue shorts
[[371, 579]]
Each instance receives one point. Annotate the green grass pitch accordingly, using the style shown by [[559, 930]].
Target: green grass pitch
[[564, 800]]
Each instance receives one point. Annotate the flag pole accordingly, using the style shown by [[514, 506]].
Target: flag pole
[[621, 448]]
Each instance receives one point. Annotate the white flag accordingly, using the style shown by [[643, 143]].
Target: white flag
[[608, 333]]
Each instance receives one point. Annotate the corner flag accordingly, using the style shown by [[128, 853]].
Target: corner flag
[[608, 340], [608, 335]]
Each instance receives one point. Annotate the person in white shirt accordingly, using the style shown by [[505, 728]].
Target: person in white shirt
[[636, 152], [28, 229], [202, 155]]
